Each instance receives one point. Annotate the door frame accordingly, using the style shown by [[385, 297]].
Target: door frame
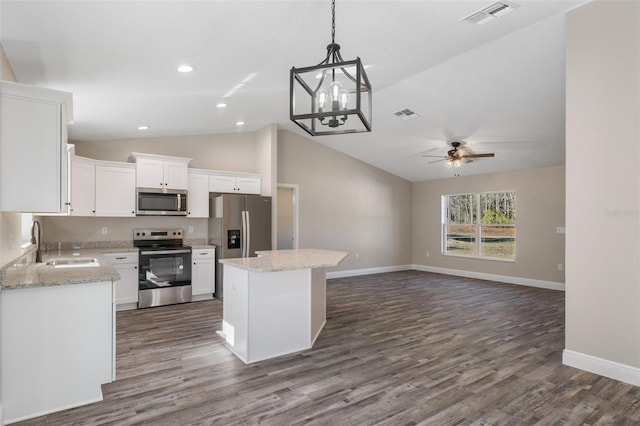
[[296, 191]]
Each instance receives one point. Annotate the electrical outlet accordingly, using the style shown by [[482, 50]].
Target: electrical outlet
[[560, 266], [357, 255], [427, 254], [560, 230], [191, 229], [105, 230]]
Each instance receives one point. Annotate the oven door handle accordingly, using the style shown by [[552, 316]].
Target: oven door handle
[[151, 252]]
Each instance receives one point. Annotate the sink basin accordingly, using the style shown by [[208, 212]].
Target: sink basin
[[78, 262]]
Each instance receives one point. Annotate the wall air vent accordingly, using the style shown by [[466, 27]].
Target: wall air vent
[[406, 114], [491, 12]]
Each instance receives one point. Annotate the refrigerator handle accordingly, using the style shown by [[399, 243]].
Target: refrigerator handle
[[243, 234], [248, 235]]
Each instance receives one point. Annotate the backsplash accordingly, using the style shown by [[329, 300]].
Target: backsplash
[[87, 232]]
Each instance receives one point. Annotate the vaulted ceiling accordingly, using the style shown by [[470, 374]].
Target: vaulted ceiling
[[498, 87]]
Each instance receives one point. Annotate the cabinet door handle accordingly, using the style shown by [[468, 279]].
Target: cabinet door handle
[[121, 258]]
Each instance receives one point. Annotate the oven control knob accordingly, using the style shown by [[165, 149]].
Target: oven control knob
[[137, 234]]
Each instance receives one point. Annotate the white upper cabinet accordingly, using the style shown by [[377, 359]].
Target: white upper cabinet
[[115, 189], [159, 171], [235, 183], [33, 148], [83, 187], [198, 195]]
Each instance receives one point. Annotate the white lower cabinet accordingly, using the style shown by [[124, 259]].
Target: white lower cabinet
[[203, 273], [57, 347], [126, 287]]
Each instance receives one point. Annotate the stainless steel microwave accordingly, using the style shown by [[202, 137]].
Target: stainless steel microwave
[[161, 202]]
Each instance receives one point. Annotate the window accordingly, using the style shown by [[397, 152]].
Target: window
[[26, 219], [479, 225]]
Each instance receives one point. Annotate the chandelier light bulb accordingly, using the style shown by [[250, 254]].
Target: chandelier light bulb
[[344, 99], [322, 100], [449, 163], [457, 163], [336, 89]]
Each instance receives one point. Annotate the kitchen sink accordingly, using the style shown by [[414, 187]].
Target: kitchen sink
[[77, 262]]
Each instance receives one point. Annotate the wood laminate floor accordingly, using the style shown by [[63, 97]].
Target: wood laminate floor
[[402, 348]]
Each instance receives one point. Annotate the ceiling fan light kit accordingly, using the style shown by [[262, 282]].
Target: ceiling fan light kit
[[456, 157], [333, 97]]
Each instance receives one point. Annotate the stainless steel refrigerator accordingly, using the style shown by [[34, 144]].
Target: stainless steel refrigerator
[[238, 226]]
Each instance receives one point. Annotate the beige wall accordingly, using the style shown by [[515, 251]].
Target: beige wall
[[347, 205], [10, 223], [539, 211], [603, 181], [236, 152]]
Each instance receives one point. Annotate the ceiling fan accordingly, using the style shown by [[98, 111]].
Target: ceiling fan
[[457, 156]]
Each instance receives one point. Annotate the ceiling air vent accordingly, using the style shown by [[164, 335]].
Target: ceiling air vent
[[491, 12], [406, 114]]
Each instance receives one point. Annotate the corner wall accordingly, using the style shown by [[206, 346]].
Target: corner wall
[[10, 223], [539, 211], [347, 205], [603, 189]]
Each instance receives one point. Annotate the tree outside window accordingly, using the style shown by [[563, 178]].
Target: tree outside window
[[480, 225]]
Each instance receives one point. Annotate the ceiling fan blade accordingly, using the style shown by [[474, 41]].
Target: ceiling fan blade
[[434, 156], [489, 154], [437, 161]]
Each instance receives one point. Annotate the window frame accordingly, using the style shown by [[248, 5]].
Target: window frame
[[444, 223]]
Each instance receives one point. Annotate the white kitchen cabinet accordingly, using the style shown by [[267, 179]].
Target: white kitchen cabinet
[[83, 187], [239, 184], [203, 273], [126, 288], [198, 195], [58, 345], [159, 171], [115, 189], [33, 148]]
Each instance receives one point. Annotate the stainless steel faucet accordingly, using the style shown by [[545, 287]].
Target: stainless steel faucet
[[36, 238]]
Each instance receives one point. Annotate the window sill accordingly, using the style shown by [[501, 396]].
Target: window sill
[[495, 259]]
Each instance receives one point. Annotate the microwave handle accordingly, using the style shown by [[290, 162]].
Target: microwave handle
[[179, 202]]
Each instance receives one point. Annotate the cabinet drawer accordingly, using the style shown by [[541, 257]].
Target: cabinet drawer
[[117, 258], [203, 254]]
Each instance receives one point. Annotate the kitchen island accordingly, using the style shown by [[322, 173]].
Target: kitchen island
[[275, 304]]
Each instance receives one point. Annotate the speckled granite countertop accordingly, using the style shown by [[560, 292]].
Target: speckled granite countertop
[[32, 275], [287, 260]]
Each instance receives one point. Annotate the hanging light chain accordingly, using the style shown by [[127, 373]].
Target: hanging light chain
[[333, 21]]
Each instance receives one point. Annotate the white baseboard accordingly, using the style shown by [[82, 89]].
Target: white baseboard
[[367, 271], [97, 398], [457, 272], [492, 277], [614, 370]]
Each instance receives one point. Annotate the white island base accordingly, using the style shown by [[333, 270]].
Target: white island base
[[277, 309]]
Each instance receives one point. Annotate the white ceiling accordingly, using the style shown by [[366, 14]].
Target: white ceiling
[[499, 87]]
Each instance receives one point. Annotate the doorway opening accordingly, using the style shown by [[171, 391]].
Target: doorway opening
[[287, 216]]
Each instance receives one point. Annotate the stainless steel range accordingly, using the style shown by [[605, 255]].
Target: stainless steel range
[[165, 267]]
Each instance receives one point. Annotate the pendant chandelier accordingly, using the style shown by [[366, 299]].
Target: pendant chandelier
[[333, 97]]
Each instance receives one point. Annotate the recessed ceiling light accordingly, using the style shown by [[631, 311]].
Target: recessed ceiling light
[[221, 105], [240, 123], [143, 127], [185, 68]]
